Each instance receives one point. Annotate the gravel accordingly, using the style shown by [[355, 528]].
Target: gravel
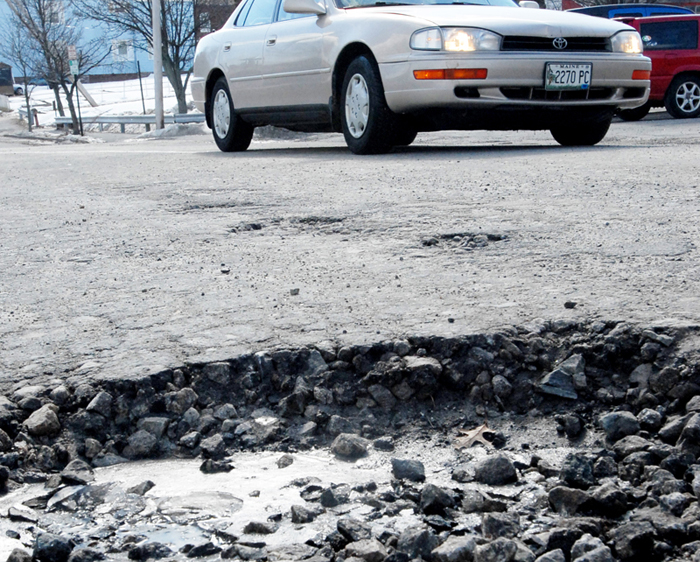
[[283, 317]]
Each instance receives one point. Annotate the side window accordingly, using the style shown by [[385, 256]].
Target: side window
[[670, 35], [283, 16], [243, 14], [625, 14], [259, 13]]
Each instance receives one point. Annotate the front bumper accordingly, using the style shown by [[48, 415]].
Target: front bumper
[[514, 79], [198, 89]]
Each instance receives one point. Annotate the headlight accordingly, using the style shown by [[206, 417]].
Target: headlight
[[456, 39], [427, 39], [466, 39], [627, 42]]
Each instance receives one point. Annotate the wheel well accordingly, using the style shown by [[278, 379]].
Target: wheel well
[[214, 75], [686, 74], [346, 56]]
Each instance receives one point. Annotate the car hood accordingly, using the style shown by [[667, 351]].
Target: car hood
[[507, 21]]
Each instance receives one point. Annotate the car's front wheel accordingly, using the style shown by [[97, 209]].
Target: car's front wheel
[[368, 123], [231, 133], [683, 97], [584, 132], [404, 134]]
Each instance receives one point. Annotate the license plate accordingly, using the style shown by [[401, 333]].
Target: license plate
[[567, 76]]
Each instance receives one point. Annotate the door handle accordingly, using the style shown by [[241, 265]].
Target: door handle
[[271, 41], [227, 47]]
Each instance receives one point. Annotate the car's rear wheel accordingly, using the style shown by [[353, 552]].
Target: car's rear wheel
[[583, 132], [369, 126], [635, 114], [231, 133], [683, 97]]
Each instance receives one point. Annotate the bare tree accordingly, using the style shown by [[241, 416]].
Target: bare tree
[[52, 29], [134, 17], [17, 45]]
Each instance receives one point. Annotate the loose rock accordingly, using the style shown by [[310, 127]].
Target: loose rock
[[408, 469], [349, 446]]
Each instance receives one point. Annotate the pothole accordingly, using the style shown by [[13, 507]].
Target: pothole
[[314, 224], [462, 240], [246, 227], [214, 205], [557, 439], [316, 220]]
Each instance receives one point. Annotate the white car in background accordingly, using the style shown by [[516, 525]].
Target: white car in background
[[381, 71]]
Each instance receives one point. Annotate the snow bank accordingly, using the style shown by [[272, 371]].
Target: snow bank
[[176, 130]]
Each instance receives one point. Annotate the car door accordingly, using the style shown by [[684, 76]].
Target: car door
[[242, 52], [671, 45], [296, 72]]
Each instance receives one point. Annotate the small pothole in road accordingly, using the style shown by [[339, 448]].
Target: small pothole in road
[[462, 240], [319, 220], [215, 205], [311, 223], [246, 227]]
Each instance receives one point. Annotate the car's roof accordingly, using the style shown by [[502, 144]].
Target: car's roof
[[674, 17], [631, 6]]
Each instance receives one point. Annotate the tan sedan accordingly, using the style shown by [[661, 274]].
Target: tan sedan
[[380, 72]]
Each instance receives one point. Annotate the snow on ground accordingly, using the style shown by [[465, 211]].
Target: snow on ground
[[113, 98]]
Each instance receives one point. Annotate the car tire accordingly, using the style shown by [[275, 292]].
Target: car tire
[[405, 134], [369, 126], [19, 91], [583, 132], [682, 98], [635, 114], [231, 133]]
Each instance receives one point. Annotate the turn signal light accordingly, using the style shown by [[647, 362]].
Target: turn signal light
[[451, 74], [641, 75]]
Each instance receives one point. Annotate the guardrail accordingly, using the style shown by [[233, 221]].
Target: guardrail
[[123, 120]]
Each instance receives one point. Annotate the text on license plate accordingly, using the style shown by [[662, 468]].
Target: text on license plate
[[567, 76]]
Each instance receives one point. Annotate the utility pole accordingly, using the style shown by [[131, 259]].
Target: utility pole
[[158, 63]]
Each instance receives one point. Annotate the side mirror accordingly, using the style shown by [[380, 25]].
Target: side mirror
[[529, 4], [304, 7]]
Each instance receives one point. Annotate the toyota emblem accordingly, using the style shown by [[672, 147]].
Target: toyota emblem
[[560, 43]]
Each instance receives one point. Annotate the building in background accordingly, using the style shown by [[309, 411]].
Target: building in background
[[211, 15]]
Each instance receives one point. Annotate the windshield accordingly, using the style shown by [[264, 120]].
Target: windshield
[[370, 3]]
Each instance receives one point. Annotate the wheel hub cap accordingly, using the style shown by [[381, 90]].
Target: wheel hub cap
[[222, 114], [688, 97], [357, 105]]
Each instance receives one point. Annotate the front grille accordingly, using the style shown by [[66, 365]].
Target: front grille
[[540, 94], [523, 43]]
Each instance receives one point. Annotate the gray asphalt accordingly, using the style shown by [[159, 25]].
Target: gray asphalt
[[126, 256]]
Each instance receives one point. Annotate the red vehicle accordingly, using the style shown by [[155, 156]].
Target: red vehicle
[[672, 44]]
